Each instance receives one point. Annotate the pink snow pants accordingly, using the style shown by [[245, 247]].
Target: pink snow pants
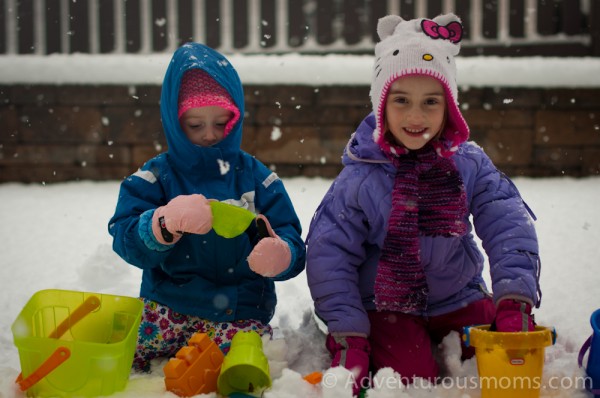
[[404, 342]]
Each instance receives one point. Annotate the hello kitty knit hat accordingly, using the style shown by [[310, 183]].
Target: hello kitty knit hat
[[419, 47], [198, 89]]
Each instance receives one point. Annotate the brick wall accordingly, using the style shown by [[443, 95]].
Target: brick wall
[[54, 133]]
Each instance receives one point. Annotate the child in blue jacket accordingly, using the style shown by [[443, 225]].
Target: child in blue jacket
[[392, 263], [193, 279]]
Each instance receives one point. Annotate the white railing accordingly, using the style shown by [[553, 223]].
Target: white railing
[[256, 40]]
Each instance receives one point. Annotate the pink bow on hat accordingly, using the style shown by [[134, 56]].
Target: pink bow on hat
[[452, 32]]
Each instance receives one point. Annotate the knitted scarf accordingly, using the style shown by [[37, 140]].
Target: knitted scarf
[[428, 198]]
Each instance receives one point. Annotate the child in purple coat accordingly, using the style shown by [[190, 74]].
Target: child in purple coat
[[392, 263]]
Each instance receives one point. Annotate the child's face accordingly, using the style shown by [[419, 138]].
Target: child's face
[[415, 110], [205, 126]]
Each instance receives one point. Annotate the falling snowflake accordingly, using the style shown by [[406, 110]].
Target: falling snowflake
[[275, 133]]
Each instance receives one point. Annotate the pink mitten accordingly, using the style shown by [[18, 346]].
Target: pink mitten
[[272, 255], [351, 352], [184, 213], [514, 316]]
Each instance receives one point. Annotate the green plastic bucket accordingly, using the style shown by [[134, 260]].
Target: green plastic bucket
[[245, 368], [76, 343]]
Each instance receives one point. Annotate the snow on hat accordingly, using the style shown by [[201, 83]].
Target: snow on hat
[[198, 89], [419, 47]]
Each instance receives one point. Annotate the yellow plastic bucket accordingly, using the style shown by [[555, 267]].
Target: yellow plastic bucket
[[76, 343], [509, 364]]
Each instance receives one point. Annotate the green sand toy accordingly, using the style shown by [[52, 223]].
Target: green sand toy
[[230, 221]]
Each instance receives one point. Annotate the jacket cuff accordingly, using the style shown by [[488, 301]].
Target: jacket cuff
[[146, 234], [516, 297]]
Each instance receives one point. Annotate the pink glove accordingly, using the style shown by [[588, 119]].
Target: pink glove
[[351, 352], [514, 316], [184, 213], [272, 255]]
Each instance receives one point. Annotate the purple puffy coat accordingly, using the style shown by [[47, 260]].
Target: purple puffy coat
[[347, 233]]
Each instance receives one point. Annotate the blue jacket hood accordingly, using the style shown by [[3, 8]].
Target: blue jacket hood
[[182, 152]]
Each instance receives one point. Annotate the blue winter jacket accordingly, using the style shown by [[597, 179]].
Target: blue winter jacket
[[204, 275], [347, 233]]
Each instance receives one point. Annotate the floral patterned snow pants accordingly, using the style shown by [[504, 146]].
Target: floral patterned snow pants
[[163, 332]]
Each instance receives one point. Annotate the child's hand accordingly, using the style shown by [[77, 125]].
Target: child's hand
[[184, 213], [514, 316], [351, 352], [272, 255]]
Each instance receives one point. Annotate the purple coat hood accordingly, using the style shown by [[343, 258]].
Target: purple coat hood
[[348, 229]]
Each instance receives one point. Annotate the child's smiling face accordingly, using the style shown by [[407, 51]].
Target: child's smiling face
[[415, 110], [205, 126]]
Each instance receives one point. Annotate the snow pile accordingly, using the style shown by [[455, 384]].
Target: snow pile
[[55, 236]]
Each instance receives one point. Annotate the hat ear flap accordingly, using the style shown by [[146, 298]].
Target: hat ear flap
[[387, 25]]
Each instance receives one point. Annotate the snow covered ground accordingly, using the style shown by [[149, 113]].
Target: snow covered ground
[[55, 236]]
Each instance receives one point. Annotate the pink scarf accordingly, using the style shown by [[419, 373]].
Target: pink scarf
[[428, 198]]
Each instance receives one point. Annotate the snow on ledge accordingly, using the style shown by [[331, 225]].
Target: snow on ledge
[[294, 69]]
